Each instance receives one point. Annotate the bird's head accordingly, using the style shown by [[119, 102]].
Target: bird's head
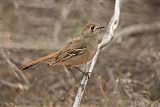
[[91, 28]]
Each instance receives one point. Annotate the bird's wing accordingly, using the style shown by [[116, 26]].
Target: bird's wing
[[71, 50], [70, 53]]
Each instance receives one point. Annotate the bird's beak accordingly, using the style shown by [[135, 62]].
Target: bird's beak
[[100, 27]]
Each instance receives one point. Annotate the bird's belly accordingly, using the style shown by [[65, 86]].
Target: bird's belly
[[78, 60]]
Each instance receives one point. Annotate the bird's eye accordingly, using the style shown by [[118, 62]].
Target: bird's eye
[[92, 28]]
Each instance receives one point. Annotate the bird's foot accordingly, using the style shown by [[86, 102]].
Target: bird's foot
[[86, 74]]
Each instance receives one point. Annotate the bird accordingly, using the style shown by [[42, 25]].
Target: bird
[[78, 51]]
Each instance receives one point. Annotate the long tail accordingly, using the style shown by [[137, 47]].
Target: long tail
[[39, 60]]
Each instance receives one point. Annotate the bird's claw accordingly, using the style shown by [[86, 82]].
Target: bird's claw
[[86, 74]]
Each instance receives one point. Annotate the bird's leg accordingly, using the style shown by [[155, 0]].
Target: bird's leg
[[84, 73], [72, 73]]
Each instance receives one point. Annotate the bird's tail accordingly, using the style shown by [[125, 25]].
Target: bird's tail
[[39, 60]]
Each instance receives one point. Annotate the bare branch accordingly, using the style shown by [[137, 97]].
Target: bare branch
[[138, 28], [14, 68], [15, 85], [106, 39], [36, 3], [59, 22]]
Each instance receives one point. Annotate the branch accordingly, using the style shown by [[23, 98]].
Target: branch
[[138, 28], [108, 36], [59, 22], [14, 85], [15, 70]]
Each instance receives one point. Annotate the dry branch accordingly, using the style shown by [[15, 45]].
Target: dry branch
[[16, 71], [59, 22], [106, 39], [14, 85], [36, 3], [138, 28]]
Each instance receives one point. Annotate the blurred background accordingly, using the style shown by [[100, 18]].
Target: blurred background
[[127, 73]]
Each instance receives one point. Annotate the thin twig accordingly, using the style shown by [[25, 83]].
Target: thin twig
[[59, 22], [106, 39], [14, 68], [138, 28], [101, 87], [14, 85]]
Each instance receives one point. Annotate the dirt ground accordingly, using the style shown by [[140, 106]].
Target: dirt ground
[[127, 73]]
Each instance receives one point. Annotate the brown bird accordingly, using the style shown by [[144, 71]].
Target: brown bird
[[79, 51]]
